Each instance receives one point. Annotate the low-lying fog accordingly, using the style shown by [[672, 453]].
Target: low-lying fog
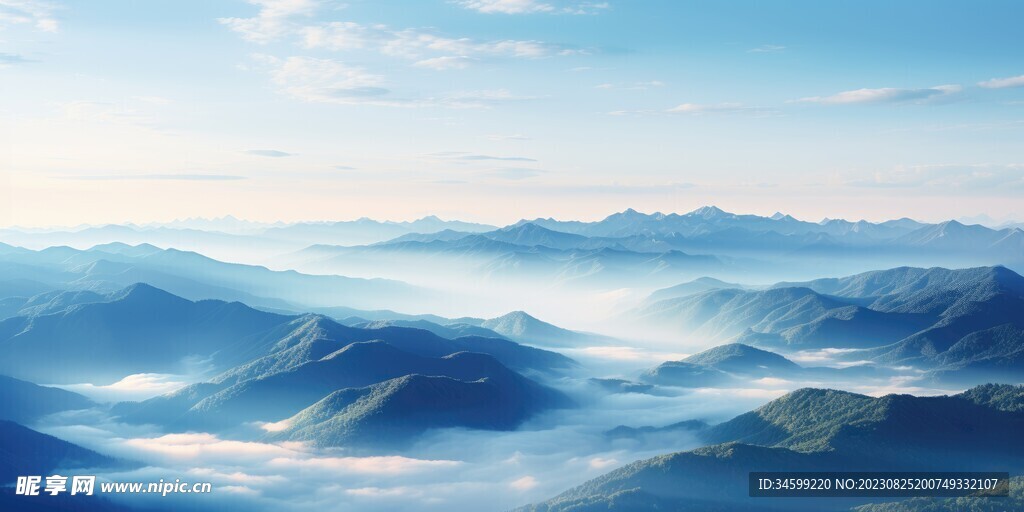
[[447, 469]]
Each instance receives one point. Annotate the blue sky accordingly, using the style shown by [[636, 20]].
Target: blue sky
[[493, 110]]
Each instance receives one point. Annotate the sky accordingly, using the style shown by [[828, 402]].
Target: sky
[[496, 110]]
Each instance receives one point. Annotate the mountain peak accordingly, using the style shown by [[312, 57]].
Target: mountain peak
[[779, 216], [517, 316], [709, 212], [628, 214], [143, 292], [734, 356]]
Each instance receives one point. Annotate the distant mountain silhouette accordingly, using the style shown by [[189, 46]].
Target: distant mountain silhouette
[[520, 326], [624, 432], [736, 364], [450, 330], [694, 287], [142, 329], [108, 267], [720, 366], [25, 402], [532, 235]]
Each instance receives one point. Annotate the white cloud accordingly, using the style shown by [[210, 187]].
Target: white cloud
[[383, 492], [139, 386], [635, 86], [767, 48], [531, 7], [506, 6], [324, 80], [885, 95], [210, 448], [482, 98], [697, 108], [238, 477], [273, 20], [317, 80], [277, 426], [443, 63], [28, 12], [238, 489], [625, 354], [411, 43], [523, 484], [339, 35], [428, 49], [377, 465], [1003, 83], [602, 462]]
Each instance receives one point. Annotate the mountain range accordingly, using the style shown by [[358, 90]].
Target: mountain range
[[107, 268], [736, 364], [276, 393], [225, 236], [815, 430], [965, 321], [639, 250], [142, 329], [268, 366], [523, 252]]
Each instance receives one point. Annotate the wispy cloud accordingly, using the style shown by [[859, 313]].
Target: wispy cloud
[[464, 155], [317, 80], [374, 465], [39, 14], [635, 86], [885, 95], [502, 158], [983, 177], [532, 7], [701, 109], [419, 45], [293, 19], [138, 386], [767, 48], [524, 484], [324, 80], [444, 63], [272, 153], [1003, 83], [514, 173], [514, 136], [506, 6], [156, 177], [698, 108], [7, 59]]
